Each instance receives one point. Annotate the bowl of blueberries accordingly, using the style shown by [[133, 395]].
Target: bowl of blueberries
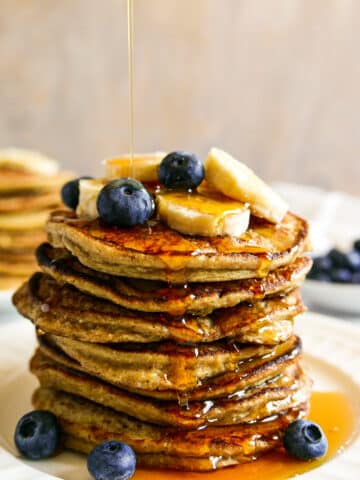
[[333, 282]]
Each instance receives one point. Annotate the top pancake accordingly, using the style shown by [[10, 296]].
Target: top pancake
[[156, 252]]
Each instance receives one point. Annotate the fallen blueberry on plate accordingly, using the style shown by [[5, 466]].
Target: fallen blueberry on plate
[[112, 460], [305, 440], [37, 435]]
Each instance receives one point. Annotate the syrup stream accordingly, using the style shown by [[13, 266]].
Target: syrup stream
[[130, 18]]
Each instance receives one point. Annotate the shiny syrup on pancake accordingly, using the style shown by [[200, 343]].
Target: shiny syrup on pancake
[[335, 413]]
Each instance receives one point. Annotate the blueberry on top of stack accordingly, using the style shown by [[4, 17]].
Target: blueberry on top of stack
[[165, 311]]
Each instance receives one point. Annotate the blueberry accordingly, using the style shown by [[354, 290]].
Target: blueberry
[[356, 245], [341, 275], [37, 435], [320, 264], [70, 192], [355, 277], [125, 202], [305, 440], [339, 259], [181, 170], [323, 263], [354, 260], [112, 461], [320, 276]]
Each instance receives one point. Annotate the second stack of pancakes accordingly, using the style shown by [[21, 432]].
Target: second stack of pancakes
[[29, 189], [183, 347]]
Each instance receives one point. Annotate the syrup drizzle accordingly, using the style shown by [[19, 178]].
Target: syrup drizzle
[[130, 18], [335, 413]]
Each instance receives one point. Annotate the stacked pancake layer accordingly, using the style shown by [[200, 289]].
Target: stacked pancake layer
[[29, 190], [182, 347]]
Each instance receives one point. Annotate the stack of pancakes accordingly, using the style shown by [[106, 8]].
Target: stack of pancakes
[[181, 346], [29, 190]]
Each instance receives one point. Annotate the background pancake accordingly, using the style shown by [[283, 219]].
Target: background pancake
[[31, 200], [9, 282], [154, 251], [21, 238], [17, 264], [24, 220], [12, 180]]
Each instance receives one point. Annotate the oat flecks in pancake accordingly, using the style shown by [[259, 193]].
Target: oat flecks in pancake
[[165, 365], [70, 313], [156, 252], [154, 296]]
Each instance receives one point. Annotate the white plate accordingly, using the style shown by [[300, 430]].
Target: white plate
[[334, 363], [5, 300], [332, 296]]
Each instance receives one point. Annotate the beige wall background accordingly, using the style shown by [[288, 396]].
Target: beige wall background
[[275, 82]]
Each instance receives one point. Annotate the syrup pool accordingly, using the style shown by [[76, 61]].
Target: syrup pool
[[332, 410]]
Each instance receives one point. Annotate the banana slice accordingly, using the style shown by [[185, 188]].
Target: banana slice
[[195, 214], [144, 168], [28, 160], [237, 181], [88, 193]]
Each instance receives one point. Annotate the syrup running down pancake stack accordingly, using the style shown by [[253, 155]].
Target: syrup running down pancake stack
[[29, 189], [180, 345]]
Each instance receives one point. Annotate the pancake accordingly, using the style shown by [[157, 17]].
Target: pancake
[[262, 399], [17, 263], [165, 365], [21, 239], [28, 201], [15, 180], [247, 374], [64, 311], [154, 251], [9, 282], [19, 221], [154, 296], [87, 424]]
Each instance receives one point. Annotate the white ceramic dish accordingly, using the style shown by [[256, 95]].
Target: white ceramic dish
[[332, 296], [334, 364], [331, 216], [5, 301]]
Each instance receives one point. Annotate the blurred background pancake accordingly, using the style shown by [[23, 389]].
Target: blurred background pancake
[[29, 189]]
